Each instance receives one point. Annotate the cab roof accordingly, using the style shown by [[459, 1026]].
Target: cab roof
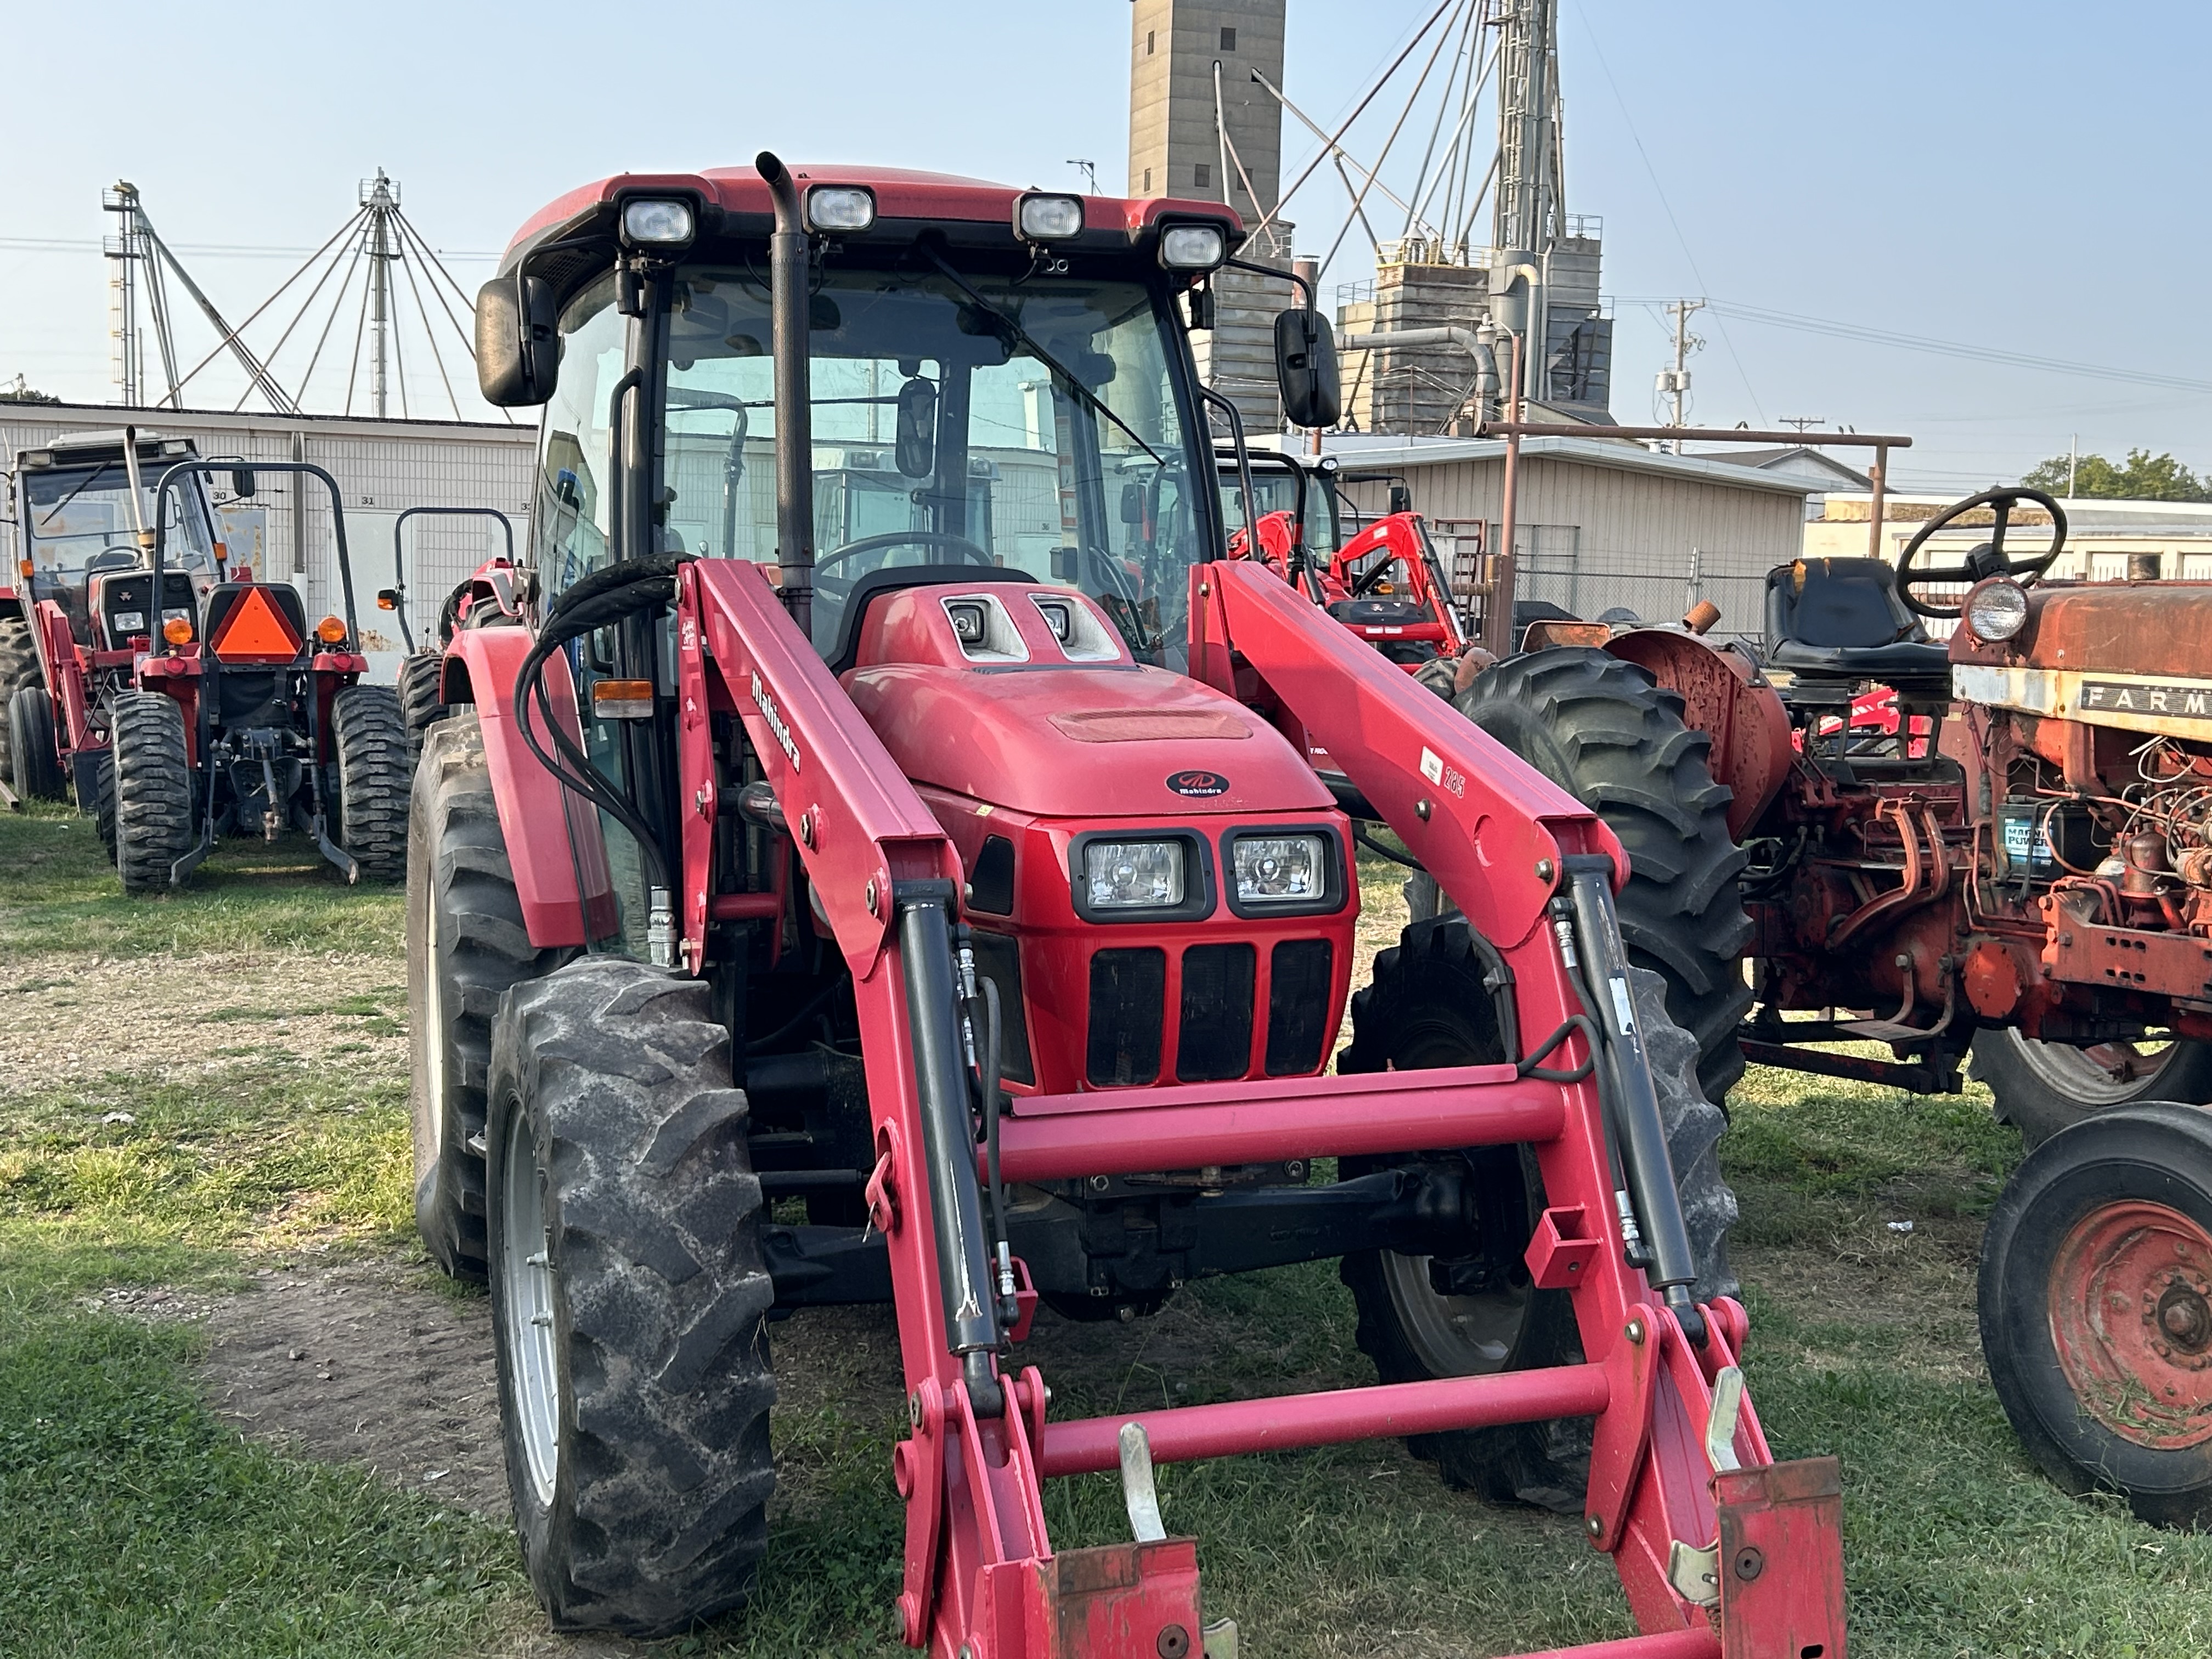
[[735, 202]]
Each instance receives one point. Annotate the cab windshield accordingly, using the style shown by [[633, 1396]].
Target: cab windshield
[[977, 422], [77, 521], [1274, 489]]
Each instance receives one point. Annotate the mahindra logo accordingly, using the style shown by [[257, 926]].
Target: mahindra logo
[[1198, 785]]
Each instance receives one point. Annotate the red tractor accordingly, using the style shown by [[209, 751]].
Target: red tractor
[[1386, 583], [971, 885], [80, 613], [1999, 846]]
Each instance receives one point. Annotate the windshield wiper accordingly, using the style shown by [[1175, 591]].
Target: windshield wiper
[[1041, 355], [91, 479]]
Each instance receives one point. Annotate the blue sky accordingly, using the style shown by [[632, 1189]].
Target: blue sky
[[2021, 177]]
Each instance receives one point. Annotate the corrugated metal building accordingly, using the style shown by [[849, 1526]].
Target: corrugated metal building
[[1599, 523], [381, 467]]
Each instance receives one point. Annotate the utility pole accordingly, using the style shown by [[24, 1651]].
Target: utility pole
[[1674, 382], [2073, 459], [1802, 422]]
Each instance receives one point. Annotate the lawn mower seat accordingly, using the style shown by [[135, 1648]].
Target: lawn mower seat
[[1840, 619]]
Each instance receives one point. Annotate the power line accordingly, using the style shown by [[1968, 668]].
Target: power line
[[207, 249]]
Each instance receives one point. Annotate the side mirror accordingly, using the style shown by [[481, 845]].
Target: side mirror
[[1401, 498], [1132, 503], [1306, 368], [518, 348], [917, 430], [242, 482], [387, 598]]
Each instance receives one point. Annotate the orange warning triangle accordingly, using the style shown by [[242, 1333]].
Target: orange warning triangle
[[255, 631]]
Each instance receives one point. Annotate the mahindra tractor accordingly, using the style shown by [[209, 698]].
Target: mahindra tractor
[[854, 810], [235, 717], [1996, 847], [1385, 582]]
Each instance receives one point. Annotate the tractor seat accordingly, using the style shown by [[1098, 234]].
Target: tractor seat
[[1840, 619], [286, 598]]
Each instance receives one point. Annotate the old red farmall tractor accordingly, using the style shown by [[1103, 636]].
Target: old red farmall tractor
[[1004, 923], [2033, 886]]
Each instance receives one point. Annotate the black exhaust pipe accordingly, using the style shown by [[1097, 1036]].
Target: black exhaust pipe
[[790, 276]]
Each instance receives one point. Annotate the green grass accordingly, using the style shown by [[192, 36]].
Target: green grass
[[60, 892], [132, 1523]]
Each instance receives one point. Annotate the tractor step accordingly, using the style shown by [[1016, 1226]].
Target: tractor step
[[1183, 1434]]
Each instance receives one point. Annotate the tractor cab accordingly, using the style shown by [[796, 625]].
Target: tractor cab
[[80, 548]]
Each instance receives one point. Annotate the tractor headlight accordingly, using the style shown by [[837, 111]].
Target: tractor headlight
[[656, 222], [1135, 875], [1278, 869], [840, 206], [1048, 218], [1193, 247], [1997, 609]]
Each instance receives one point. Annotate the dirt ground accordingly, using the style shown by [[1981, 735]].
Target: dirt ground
[[65, 1017]]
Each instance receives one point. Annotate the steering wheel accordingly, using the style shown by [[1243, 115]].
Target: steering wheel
[[971, 553], [1986, 560]]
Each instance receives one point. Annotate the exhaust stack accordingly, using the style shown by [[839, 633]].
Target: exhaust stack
[[788, 277]]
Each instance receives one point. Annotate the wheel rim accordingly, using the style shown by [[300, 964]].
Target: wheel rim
[[2110, 1074], [2131, 1319], [1452, 1335], [434, 1008], [526, 1277]]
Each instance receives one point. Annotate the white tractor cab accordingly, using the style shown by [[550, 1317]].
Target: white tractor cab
[[85, 511]]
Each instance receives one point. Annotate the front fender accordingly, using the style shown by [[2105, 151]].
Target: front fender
[[533, 807]]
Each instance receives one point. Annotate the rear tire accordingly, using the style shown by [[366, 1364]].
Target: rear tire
[[2103, 1234], [31, 756], [1427, 1007], [371, 774], [1604, 731], [153, 789], [625, 1217], [2044, 1087], [420, 706], [466, 944], [19, 668]]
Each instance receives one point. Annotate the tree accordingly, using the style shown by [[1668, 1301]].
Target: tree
[[23, 393], [2144, 477]]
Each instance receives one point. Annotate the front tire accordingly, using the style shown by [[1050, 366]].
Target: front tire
[[31, 756], [1427, 1007], [1607, 733], [153, 787], [371, 774], [19, 668], [2044, 1087], [628, 1300], [466, 944], [420, 704], [2095, 1319]]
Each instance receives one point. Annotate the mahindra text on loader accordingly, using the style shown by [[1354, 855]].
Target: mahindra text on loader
[[818, 817]]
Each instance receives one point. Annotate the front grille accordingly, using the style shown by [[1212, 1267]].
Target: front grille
[[1128, 992], [1299, 972], [1214, 1038]]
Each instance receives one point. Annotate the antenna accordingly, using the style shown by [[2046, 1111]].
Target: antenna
[[1090, 171]]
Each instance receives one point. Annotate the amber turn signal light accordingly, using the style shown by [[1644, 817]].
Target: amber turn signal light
[[330, 631], [176, 631], [623, 700]]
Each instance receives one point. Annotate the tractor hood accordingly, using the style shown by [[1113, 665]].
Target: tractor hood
[[975, 690], [2135, 655]]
